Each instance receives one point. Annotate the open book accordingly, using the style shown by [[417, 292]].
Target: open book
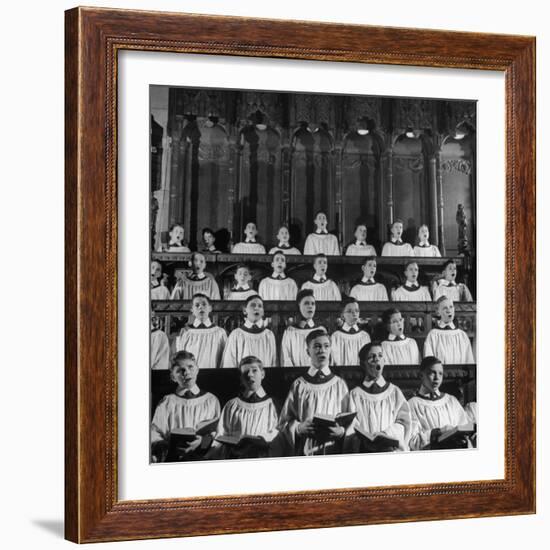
[[377, 444], [343, 419], [455, 437], [182, 436], [236, 441]]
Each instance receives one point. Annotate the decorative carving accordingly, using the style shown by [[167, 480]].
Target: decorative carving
[[463, 244], [457, 165], [357, 107], [314, 109], [413, 113], [410, 164]]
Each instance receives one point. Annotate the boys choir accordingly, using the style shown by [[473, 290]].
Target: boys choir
[[320, 415]]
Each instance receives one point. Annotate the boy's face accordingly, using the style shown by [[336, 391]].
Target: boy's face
[[283, 235], [369, 269], [396, 324], [184, 373], [449, 272], [446, 310], [208, 239], [279, 263], [254, 310], [423, 233], [250, 230], [199, 263], [361, 233], [351, 313], [307, 307], [242, 276], [252, 376], [319, 351], [432, 377], [374, 364], [320, 266], [156, 270], [412, 273], [176, 235], [201, 308], [397, 230], [321, 220]]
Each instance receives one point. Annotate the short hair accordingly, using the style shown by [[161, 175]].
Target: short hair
[[181, 356], [250, 222], [320, 212], [250, 360], [200, 295], [365, 350], [174, 225], [242, 266], [447, 264], [156, 262], [397, 220], [304, 293], [314, 334], [278, 252], [368, 259], [443, 299], [360, 224], [207, 230], [428, 362], [386, 316], [252, 297], [283, 226], [421, 226], [347, 300], [409, 262], [194, 255], [320, 255]]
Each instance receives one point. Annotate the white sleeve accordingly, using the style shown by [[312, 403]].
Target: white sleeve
[[308, 247]]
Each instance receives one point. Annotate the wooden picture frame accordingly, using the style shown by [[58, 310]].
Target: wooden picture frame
[[94, 37]]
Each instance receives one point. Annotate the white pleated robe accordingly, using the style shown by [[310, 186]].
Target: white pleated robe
[[324, 292], [206, 344], [242, 343], [365, 292], [317, 243], [406, 294], [401, 352], [451, 347], [160, 350], [278, 289], [345, 347]]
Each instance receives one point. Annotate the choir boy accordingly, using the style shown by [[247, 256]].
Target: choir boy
[[411, 291], [209, 241], [203, 338], [321, 241], [293, 346], [395, 246], [398, 349], [283, 238], [367, 289], [176, 244], [158, 290], [434, 412], [381, 407], [447, 285], [250, 244], [349, 339], [360, 247], [445, 340], [241, 290], [160, 346], [424, 248], [251, 414], [187, 407], [199, 282], [278, 286], [319, 391], [324, 289], [253, 338]]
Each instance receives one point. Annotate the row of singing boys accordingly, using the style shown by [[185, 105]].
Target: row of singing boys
[[381, 418], [319, 241], [212, 348], [278, 286]]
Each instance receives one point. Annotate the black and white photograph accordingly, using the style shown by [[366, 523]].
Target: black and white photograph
[[313, 274]]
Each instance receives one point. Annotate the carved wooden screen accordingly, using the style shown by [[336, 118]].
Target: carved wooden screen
[[457, 180], [312, 181], [361, 183], [410, 185], [260, 188]]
